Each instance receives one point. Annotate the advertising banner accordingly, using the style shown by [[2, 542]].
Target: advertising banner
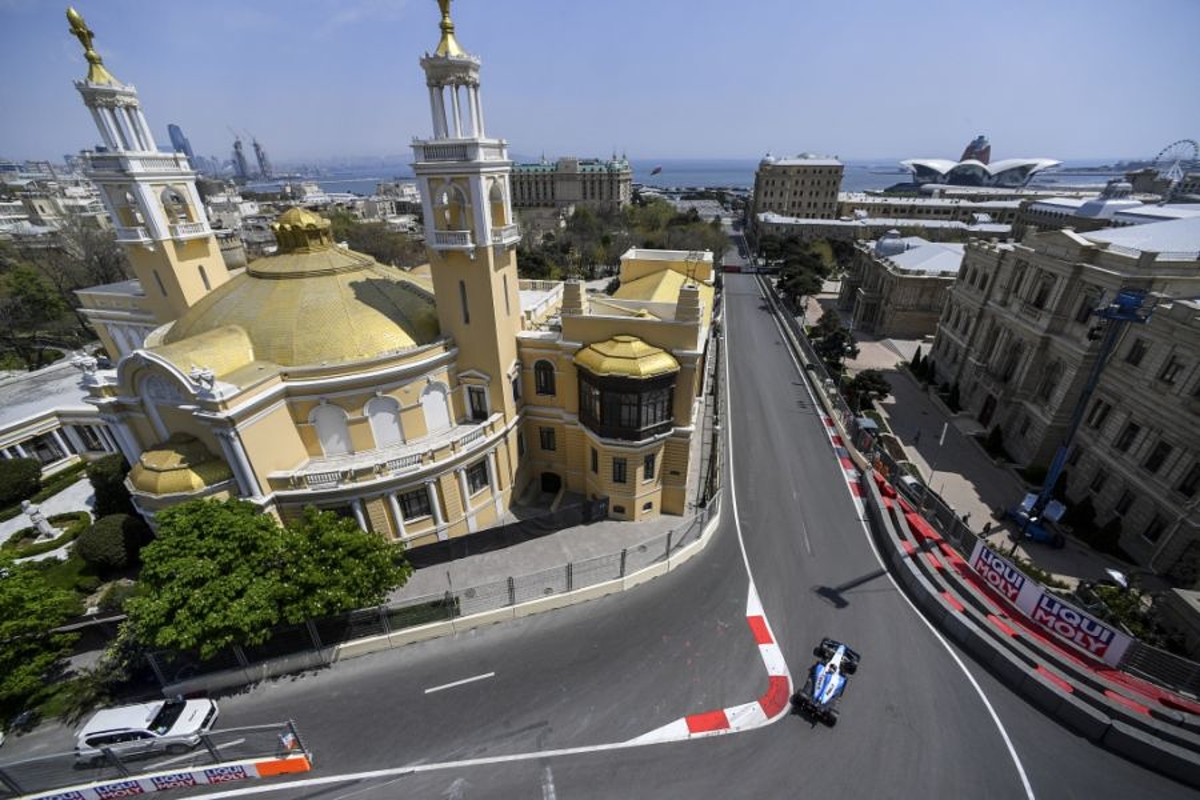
[[1063, 620]]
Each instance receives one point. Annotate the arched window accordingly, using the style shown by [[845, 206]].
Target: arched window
[[175, 206], [435, 404], [450, 209], [332, 430], [496, 202], [543, 377], [384, 413]]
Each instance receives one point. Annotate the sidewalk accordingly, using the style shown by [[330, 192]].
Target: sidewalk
[[76, 497], [958, 469]]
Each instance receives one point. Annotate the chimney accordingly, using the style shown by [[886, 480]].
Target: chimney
[[574, 301], [687, 308]]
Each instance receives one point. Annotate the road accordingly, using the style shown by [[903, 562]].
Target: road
[[915, 721]]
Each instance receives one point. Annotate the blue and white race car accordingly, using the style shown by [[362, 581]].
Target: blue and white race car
[[822, 692]]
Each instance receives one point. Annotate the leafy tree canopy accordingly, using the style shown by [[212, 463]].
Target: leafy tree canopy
[[30, 609], [223, 573], [867, 386]]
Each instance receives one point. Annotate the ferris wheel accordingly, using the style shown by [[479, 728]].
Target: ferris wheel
[[1176, 158]]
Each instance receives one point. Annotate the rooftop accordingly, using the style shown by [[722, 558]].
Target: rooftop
[[1177, 236], [31, 394]]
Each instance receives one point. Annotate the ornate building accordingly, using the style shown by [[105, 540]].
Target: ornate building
[[1019, 339], [422, 403], [586, 182], [156, 210]]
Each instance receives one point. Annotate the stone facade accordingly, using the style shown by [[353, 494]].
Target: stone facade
[[806, 187], [1019, 339], [896, 288]]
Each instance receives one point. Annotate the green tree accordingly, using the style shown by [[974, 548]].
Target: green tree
[[834, 348], [223, 573], [376, 239], [28, 305], [20, 479], [829, 323], [866, 387], [30, 610], [797, 284], [107, 476]]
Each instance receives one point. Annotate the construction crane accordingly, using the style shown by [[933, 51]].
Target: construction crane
[[1128, 307]]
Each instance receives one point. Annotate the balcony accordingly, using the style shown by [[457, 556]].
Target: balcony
[[506, 234], [133, 164], [136, 235], [442, 150], [385, 463], [189, 230], [453, 240]]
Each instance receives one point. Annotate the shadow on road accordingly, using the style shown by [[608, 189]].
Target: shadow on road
[[836, 594]]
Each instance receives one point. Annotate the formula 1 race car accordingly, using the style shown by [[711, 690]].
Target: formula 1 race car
[[822, 692]]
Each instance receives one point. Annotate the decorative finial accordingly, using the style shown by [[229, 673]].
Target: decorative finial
[[448, 46], [79, 29]]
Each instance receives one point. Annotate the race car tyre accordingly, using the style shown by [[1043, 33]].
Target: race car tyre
[[850, 667]]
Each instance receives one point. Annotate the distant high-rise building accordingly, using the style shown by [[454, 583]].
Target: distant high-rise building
[[180, 143], [241, 169], [264, 164], [979, 149]]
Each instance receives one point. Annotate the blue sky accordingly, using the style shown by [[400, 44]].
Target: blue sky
[[653, 78]]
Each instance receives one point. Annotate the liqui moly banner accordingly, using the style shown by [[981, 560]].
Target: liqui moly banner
[[1066, 622]]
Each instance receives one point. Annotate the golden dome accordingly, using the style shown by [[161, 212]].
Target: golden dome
[[627, 357], [180, 465], [311, 304]]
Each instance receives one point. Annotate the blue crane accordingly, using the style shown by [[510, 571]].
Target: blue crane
[[1129, 306]]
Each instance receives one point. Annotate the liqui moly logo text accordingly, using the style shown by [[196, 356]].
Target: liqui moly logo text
[[1074, 625], [1001, 575]]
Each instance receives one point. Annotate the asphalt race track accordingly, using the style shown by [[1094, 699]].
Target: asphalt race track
[[914, 722]]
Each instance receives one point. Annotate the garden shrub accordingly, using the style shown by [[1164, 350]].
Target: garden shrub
[[108, 482], [113, 542], [20, 478]]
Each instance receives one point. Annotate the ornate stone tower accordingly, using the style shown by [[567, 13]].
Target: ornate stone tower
[[155, 208], [464, 178]]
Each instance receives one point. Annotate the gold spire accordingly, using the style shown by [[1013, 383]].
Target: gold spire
[[79, 29], [448, 46]]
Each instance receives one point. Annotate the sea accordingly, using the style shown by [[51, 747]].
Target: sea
[[860, 175]]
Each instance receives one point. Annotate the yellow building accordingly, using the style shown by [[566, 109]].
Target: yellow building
[[423, 403], [152, 200]]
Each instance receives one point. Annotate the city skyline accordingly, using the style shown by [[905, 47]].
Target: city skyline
[[315, 79]]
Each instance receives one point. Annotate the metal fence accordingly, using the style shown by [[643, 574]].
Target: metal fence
[[1149, 662], [58, 770]]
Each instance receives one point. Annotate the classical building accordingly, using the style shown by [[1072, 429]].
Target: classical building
[[861, 205], [805, 186], [425, 403], [1019, 339], [575, 182], [896, 287]]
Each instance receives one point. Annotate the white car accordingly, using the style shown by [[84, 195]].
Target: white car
[[165, 726]]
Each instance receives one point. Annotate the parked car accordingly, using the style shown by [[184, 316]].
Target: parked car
[[165, 726]]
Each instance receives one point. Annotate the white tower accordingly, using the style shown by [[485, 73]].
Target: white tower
[[465, 183], [154, 205]]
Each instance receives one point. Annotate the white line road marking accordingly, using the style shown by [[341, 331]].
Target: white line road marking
[[548, 792], [807, 543], [1012, 752], [168, 762], [482, 677]]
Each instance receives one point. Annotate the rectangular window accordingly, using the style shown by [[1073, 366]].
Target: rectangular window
[[1157, 456], [648, 466], [1127, 436], [462, 296], [1171, 371], [1098, 480], [1187, 486], [546, 438], [520, 444], [415, 504], [1098, 414], [1137, 351], [1085, 308], [1155, 529], [595, 461], [1076, 454], [516, 388], [1125, 502], [477, 477], [618, 470], [477, 397]]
